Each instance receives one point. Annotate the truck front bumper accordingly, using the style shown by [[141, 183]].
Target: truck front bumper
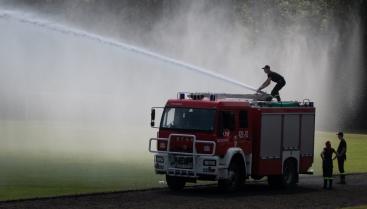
[[196, 167], [188, 164]]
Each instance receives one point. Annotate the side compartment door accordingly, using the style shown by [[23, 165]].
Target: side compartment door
[[291, 138], [307, 141], [271, 136], [270, 162]]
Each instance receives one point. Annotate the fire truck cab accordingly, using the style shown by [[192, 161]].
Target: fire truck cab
[[231, 137]]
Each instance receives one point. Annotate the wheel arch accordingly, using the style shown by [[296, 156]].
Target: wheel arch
[[292, 161], [236, 154], [291, 155]]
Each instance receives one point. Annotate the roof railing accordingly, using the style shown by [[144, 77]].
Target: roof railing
[[258, 99], [218, 96]]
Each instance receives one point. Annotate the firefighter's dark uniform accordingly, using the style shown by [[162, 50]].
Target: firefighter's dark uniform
[[275, 77], [327, 167], [341, 158]]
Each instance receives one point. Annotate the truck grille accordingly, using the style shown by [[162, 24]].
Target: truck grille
[[182, 162]]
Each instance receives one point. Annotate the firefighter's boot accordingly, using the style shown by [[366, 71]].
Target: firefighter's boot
[[330, 184], [342, 178], [325, 183]]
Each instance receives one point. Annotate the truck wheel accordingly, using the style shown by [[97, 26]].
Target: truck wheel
[[288, 179], [175, 183], [235, 180], [290, 174]]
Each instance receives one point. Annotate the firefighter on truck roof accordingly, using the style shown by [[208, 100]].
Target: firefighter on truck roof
[[327, 165], [275, 77]]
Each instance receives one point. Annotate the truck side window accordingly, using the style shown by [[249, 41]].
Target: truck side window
[[243, 119], [227, 120]]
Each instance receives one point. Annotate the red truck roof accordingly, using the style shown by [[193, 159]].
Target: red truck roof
[[274, 107]]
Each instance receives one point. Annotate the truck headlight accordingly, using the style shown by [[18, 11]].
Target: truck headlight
[[207, 148], [162, 145], [210, 162], [159, 159]]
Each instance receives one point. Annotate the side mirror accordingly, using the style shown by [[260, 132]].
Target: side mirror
[[152, 118]]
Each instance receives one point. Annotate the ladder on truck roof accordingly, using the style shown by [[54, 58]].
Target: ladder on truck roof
[[217, 96], [258, 99]]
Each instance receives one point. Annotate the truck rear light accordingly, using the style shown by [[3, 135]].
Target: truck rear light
[[162, 145], [210, 163]]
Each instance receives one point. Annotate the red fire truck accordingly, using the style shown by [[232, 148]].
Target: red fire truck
[[231, 137]]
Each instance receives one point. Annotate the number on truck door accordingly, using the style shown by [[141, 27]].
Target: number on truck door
[[226, 123]]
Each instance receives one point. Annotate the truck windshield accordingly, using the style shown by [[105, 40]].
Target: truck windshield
[[188, 119]]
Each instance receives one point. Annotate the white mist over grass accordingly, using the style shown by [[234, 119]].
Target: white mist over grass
[[67, 93], [75, 107]]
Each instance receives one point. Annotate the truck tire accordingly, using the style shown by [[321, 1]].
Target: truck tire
[[288, 179], [290, 174], [175, 183], [235, 180]]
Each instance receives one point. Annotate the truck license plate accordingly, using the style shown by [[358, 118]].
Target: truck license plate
[[184, 162]]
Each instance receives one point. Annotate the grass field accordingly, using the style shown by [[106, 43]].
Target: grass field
[[356, 151], [25, 175], [31, 176]]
